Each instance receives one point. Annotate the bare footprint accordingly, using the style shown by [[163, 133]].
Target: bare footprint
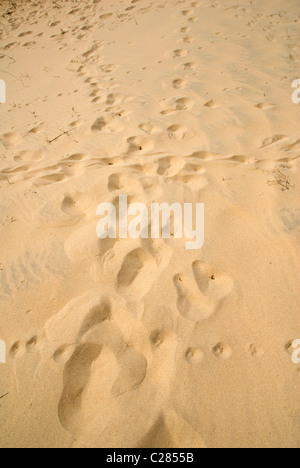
[[141, 144]]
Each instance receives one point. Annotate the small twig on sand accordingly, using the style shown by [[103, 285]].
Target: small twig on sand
[[281, 179], [62, 134], [4, 396]]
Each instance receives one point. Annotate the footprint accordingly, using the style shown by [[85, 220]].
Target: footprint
[[64, 354], [25, 34], [150, 129], [177, 132], [169, 166], [11, 139], [194, 182], [133, 370], [168, 112], [76, 378], [256, 351], [36, 130], [11, 45], [114, 99], [17, 349], [106, 16], [32, 344], [30, 156], [101, 366], [179, 83], [274, 140], [69, 207], [109, 68], [184, 104], [138, 143], [169, 430], [194, 356], [187, 12], [199, 298], [29, 45], [185, 30], [133, 277], [212, 105], [190, 66], [265, 106], [180, 53], [222, 351], [188, 39], [107, 125], [137, 266], [123, 180], [50, 179]]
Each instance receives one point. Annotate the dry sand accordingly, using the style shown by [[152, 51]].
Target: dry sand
[[142, 343]]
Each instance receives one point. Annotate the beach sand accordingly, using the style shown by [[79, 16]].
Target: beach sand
[[141, 342]]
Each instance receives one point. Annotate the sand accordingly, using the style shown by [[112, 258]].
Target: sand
[[141, 342]]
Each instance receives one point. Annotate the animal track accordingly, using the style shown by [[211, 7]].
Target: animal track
[[177, 132], [107, 125], [190, 66], [222, 351], [200, 297], [184, 104], [212, 105], [194, 356], [179, 83], [180, 53], [188, 39], [150, 129]]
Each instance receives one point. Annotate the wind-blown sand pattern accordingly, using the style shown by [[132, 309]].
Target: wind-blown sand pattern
[[142, 343]]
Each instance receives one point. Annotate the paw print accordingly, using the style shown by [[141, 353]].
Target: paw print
[[200, 297]]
